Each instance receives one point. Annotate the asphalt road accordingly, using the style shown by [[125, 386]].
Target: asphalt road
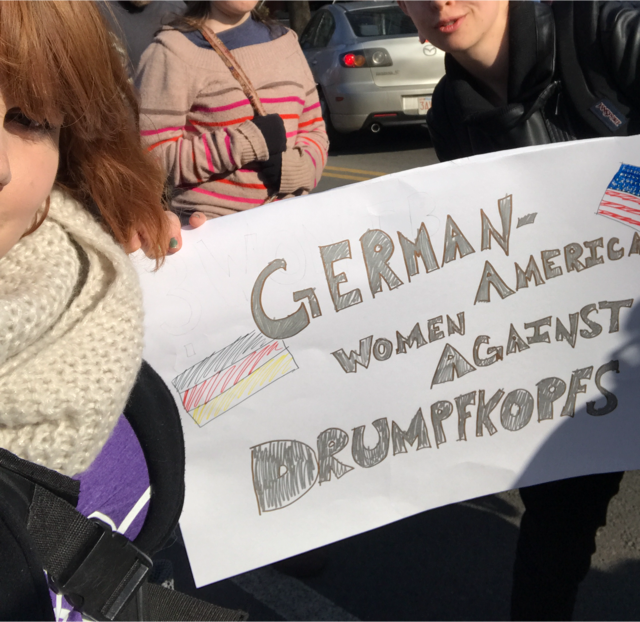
[[452, 563], [364, 156]]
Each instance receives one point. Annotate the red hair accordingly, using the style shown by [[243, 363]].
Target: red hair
[[59, 65]]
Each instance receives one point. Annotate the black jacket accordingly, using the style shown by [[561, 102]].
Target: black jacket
[[152, 413], [573, 73]]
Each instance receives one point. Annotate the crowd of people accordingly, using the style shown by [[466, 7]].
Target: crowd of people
[[109, 146]]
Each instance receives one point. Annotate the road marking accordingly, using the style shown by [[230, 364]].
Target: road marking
[[354, 170], [352, 177], [289, 598]]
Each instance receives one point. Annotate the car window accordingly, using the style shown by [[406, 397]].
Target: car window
[[325, 30], [307, 37], [387, 21]]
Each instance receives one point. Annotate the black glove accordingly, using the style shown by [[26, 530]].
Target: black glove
[[272, 128], [271, 171]]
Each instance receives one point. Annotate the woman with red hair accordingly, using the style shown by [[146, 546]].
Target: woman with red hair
[[83, 421]]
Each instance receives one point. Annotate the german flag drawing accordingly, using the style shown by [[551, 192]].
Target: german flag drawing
[[231, 375]]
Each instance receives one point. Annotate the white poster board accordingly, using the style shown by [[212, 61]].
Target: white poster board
[[351, 358]]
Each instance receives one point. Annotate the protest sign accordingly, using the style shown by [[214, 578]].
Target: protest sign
[[351, 358]]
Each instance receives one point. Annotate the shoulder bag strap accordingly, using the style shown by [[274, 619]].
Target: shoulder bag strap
[[236, 71], [101, 572], [151, 411]]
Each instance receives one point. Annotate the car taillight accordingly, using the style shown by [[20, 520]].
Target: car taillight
[[354, 59], [372, 57]]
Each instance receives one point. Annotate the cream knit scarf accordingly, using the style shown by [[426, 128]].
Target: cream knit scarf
[[70, 339]]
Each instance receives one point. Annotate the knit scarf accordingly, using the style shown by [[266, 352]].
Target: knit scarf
[[70, 339]]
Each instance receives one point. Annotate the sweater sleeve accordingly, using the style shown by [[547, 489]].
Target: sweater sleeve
[[620, 28], [168, 88], [302, 165]]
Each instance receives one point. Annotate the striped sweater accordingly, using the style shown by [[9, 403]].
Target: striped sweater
[[197, 119]]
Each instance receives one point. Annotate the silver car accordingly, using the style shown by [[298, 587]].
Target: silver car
[[370, 66]]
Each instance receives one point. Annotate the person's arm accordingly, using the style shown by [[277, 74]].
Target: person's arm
[[189, 157], [619, 25], [302, 165]]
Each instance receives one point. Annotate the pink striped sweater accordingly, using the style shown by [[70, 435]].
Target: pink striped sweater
[[196, 118]]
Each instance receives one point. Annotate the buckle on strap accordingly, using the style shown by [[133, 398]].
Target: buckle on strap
[[107, 577]]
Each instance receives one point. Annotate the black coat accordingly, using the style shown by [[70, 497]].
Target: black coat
[[574, 73]]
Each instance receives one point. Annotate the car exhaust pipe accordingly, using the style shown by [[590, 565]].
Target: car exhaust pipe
[[375, 128]]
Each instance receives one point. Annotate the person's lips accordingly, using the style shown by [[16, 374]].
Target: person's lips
[[450, 25]]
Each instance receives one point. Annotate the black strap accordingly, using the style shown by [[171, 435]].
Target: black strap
[[58, 484], [168, 606], [101, 572], [60, 533], [151, 411]]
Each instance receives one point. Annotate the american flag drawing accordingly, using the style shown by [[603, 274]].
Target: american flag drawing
[[621, 200]]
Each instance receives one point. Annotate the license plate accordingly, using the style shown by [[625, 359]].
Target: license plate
[[424, 103]]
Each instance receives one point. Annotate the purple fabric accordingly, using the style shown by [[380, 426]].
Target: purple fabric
[[116, 479], [112, 485]]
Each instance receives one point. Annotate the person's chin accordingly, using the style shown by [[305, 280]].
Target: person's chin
[[436, 38], [449, 45]]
